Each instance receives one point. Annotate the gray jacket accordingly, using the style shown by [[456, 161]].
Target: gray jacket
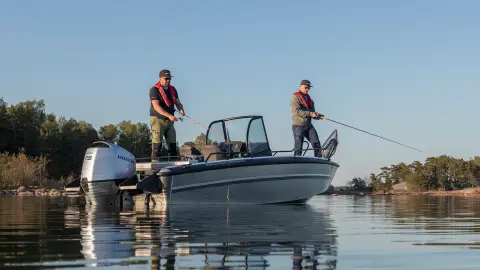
[[300, 114]]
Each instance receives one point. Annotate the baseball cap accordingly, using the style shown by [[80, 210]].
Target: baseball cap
[[306, 82], [165, 73]]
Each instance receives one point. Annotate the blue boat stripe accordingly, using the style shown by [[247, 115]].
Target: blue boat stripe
[[243, 180]]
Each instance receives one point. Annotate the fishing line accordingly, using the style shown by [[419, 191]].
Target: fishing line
[[197, 122], [324, 118]]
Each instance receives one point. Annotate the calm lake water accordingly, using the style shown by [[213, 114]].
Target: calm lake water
[[343, 232]]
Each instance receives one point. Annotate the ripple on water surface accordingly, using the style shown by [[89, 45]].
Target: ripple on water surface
[[343, 232]]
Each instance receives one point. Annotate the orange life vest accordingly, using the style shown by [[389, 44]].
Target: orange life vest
[[164, 96], [307, 103]]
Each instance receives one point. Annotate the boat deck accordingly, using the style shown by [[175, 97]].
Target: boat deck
[[149, 167], [145, 169]]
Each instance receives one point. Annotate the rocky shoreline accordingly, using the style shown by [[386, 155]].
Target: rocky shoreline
[[458, 192], [24, 191]]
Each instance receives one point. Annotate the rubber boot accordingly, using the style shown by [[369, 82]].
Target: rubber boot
[[317, 152], [155, 149], [172, 150]]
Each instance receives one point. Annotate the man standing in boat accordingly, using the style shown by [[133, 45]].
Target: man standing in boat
[[303, 111], [164, 98]]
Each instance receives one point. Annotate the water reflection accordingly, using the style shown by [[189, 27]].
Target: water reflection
[[43, 232], [382, 232], [451, 220], [32, 231], [253, 237], [104, 238]]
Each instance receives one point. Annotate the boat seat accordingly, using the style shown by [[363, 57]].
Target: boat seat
[[186, 150], [208, 149], [233, 148]]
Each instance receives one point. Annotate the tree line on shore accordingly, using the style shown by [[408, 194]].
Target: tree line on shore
[[436, 173], [36, 145]]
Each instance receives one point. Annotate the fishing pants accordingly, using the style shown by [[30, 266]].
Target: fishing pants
[[306, 131], [160, 128]]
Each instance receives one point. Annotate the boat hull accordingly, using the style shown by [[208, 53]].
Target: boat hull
[[229, 182]]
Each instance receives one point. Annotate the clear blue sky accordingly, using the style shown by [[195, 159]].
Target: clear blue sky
[[407, 70]]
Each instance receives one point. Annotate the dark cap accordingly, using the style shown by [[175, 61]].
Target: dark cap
[[164, 73], [306, 82]]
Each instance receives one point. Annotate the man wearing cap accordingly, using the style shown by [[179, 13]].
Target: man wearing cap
[[164, 98], [303, 111]]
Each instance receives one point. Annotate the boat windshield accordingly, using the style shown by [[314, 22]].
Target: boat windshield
[[236, 130], [248, 130], [257, 138], [215, 134]]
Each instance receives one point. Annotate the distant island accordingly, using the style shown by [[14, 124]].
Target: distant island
[[442, 175], [40, 149]]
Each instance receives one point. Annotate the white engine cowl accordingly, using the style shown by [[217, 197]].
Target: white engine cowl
[[106, 161]]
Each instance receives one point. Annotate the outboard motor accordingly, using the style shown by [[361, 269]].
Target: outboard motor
[[105, 166]]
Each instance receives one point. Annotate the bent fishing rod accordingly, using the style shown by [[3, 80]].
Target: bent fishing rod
[[324, 118], [197, 122]]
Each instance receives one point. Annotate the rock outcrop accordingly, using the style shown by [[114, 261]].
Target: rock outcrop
[[24, 191]]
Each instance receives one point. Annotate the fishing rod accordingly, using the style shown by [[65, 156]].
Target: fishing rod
[[197, 122], [324, 118]]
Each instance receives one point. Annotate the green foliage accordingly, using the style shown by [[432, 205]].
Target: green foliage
[[28, 133], [358, 183], [109, 133], [135, 138], [200, 141], [442, 172], [21, 170]]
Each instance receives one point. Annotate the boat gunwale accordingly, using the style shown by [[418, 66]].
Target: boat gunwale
[[242, 162]]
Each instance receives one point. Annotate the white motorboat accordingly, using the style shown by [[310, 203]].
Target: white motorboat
[[241, 170]]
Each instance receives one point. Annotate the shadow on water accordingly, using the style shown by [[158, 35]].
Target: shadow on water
[[40, 232]]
